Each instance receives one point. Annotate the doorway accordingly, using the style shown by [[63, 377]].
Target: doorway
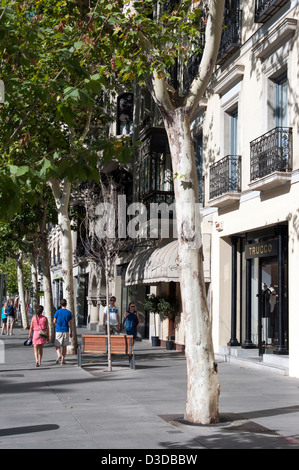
[[264, 288], [269, 318]]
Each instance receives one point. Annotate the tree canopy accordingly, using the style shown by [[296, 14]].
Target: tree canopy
[[55, 67]]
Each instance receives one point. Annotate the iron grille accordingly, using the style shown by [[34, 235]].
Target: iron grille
[[231, 35], [190, 70], [271, 152], [225, 176], [265, 9]]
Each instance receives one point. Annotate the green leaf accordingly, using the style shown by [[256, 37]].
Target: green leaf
[[79, 44], [71, 92], [67, 114], [18, 170]]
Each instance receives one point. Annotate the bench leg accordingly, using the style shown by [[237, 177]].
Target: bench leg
[[132, 361], [79, 357]]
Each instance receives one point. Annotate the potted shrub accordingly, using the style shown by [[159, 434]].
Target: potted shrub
[[151, 306], [169, 343], [168, 308]]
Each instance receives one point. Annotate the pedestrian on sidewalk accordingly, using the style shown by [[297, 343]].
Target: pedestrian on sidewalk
[[4, 319], [39, 322], [131, 319], [114, 317], [11, 316], [63, 322]]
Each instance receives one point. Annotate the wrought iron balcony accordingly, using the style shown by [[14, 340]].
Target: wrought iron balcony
[[265, 9], [170, 5], [231, 35], [271, 152], [225, 176], [157, 197], [190, 70]]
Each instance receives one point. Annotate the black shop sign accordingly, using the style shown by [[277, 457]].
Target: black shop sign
[[261, 250]]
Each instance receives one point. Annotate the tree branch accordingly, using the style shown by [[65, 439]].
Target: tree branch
[[213, 33]]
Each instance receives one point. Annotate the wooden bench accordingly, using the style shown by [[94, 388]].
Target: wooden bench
[[98, 344]]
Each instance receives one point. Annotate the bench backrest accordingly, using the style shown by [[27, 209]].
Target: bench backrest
[[120, 344]]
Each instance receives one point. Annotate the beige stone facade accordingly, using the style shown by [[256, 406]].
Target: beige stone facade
[[251, 112]]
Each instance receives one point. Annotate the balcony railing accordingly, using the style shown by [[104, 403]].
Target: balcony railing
[[265, 9], [231, 35], [190, 70], [225, 176], [157, 197], [271, 152]]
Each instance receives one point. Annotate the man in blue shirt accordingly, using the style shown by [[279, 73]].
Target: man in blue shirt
[[63, 322]]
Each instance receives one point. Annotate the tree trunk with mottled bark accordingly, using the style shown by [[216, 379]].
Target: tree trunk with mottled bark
[[62, 192], [176, 110], [48, 295], [21, 291], [203, 388]]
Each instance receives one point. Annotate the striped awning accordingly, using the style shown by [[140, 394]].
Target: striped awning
[[159, 264]]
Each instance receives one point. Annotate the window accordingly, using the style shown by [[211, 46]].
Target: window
[[155, 170], [281, 101], [125, 104], [276, 93], [231, 130], [234, 132], [199, 165]]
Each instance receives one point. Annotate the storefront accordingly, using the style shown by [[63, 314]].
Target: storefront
[[260, 285]]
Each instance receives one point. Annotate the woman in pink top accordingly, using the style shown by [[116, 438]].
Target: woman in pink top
[[39, 321]]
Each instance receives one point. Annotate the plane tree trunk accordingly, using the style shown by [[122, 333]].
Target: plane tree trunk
[[203, 387], [62, 192], [176, 110]]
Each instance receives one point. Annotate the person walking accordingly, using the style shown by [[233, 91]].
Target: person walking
[[114, 317], [11, 316], [131, 319], [39, 322], [4, 319], [63, 321]]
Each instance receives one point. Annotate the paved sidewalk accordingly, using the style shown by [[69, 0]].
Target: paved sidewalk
[[67, 407]]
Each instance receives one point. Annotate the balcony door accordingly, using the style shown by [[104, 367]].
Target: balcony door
[[281, 101], [233, 165], [234, 132]]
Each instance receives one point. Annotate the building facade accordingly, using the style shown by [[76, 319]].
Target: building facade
[[246, 132], [246, 139]]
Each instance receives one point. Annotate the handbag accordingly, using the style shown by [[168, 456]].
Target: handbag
[[28, 342], [42, 333]]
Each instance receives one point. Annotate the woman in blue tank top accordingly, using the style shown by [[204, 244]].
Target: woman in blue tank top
[[131, 318]]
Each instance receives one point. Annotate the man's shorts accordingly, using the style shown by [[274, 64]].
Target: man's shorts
[[10, 321], [62, 339]]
